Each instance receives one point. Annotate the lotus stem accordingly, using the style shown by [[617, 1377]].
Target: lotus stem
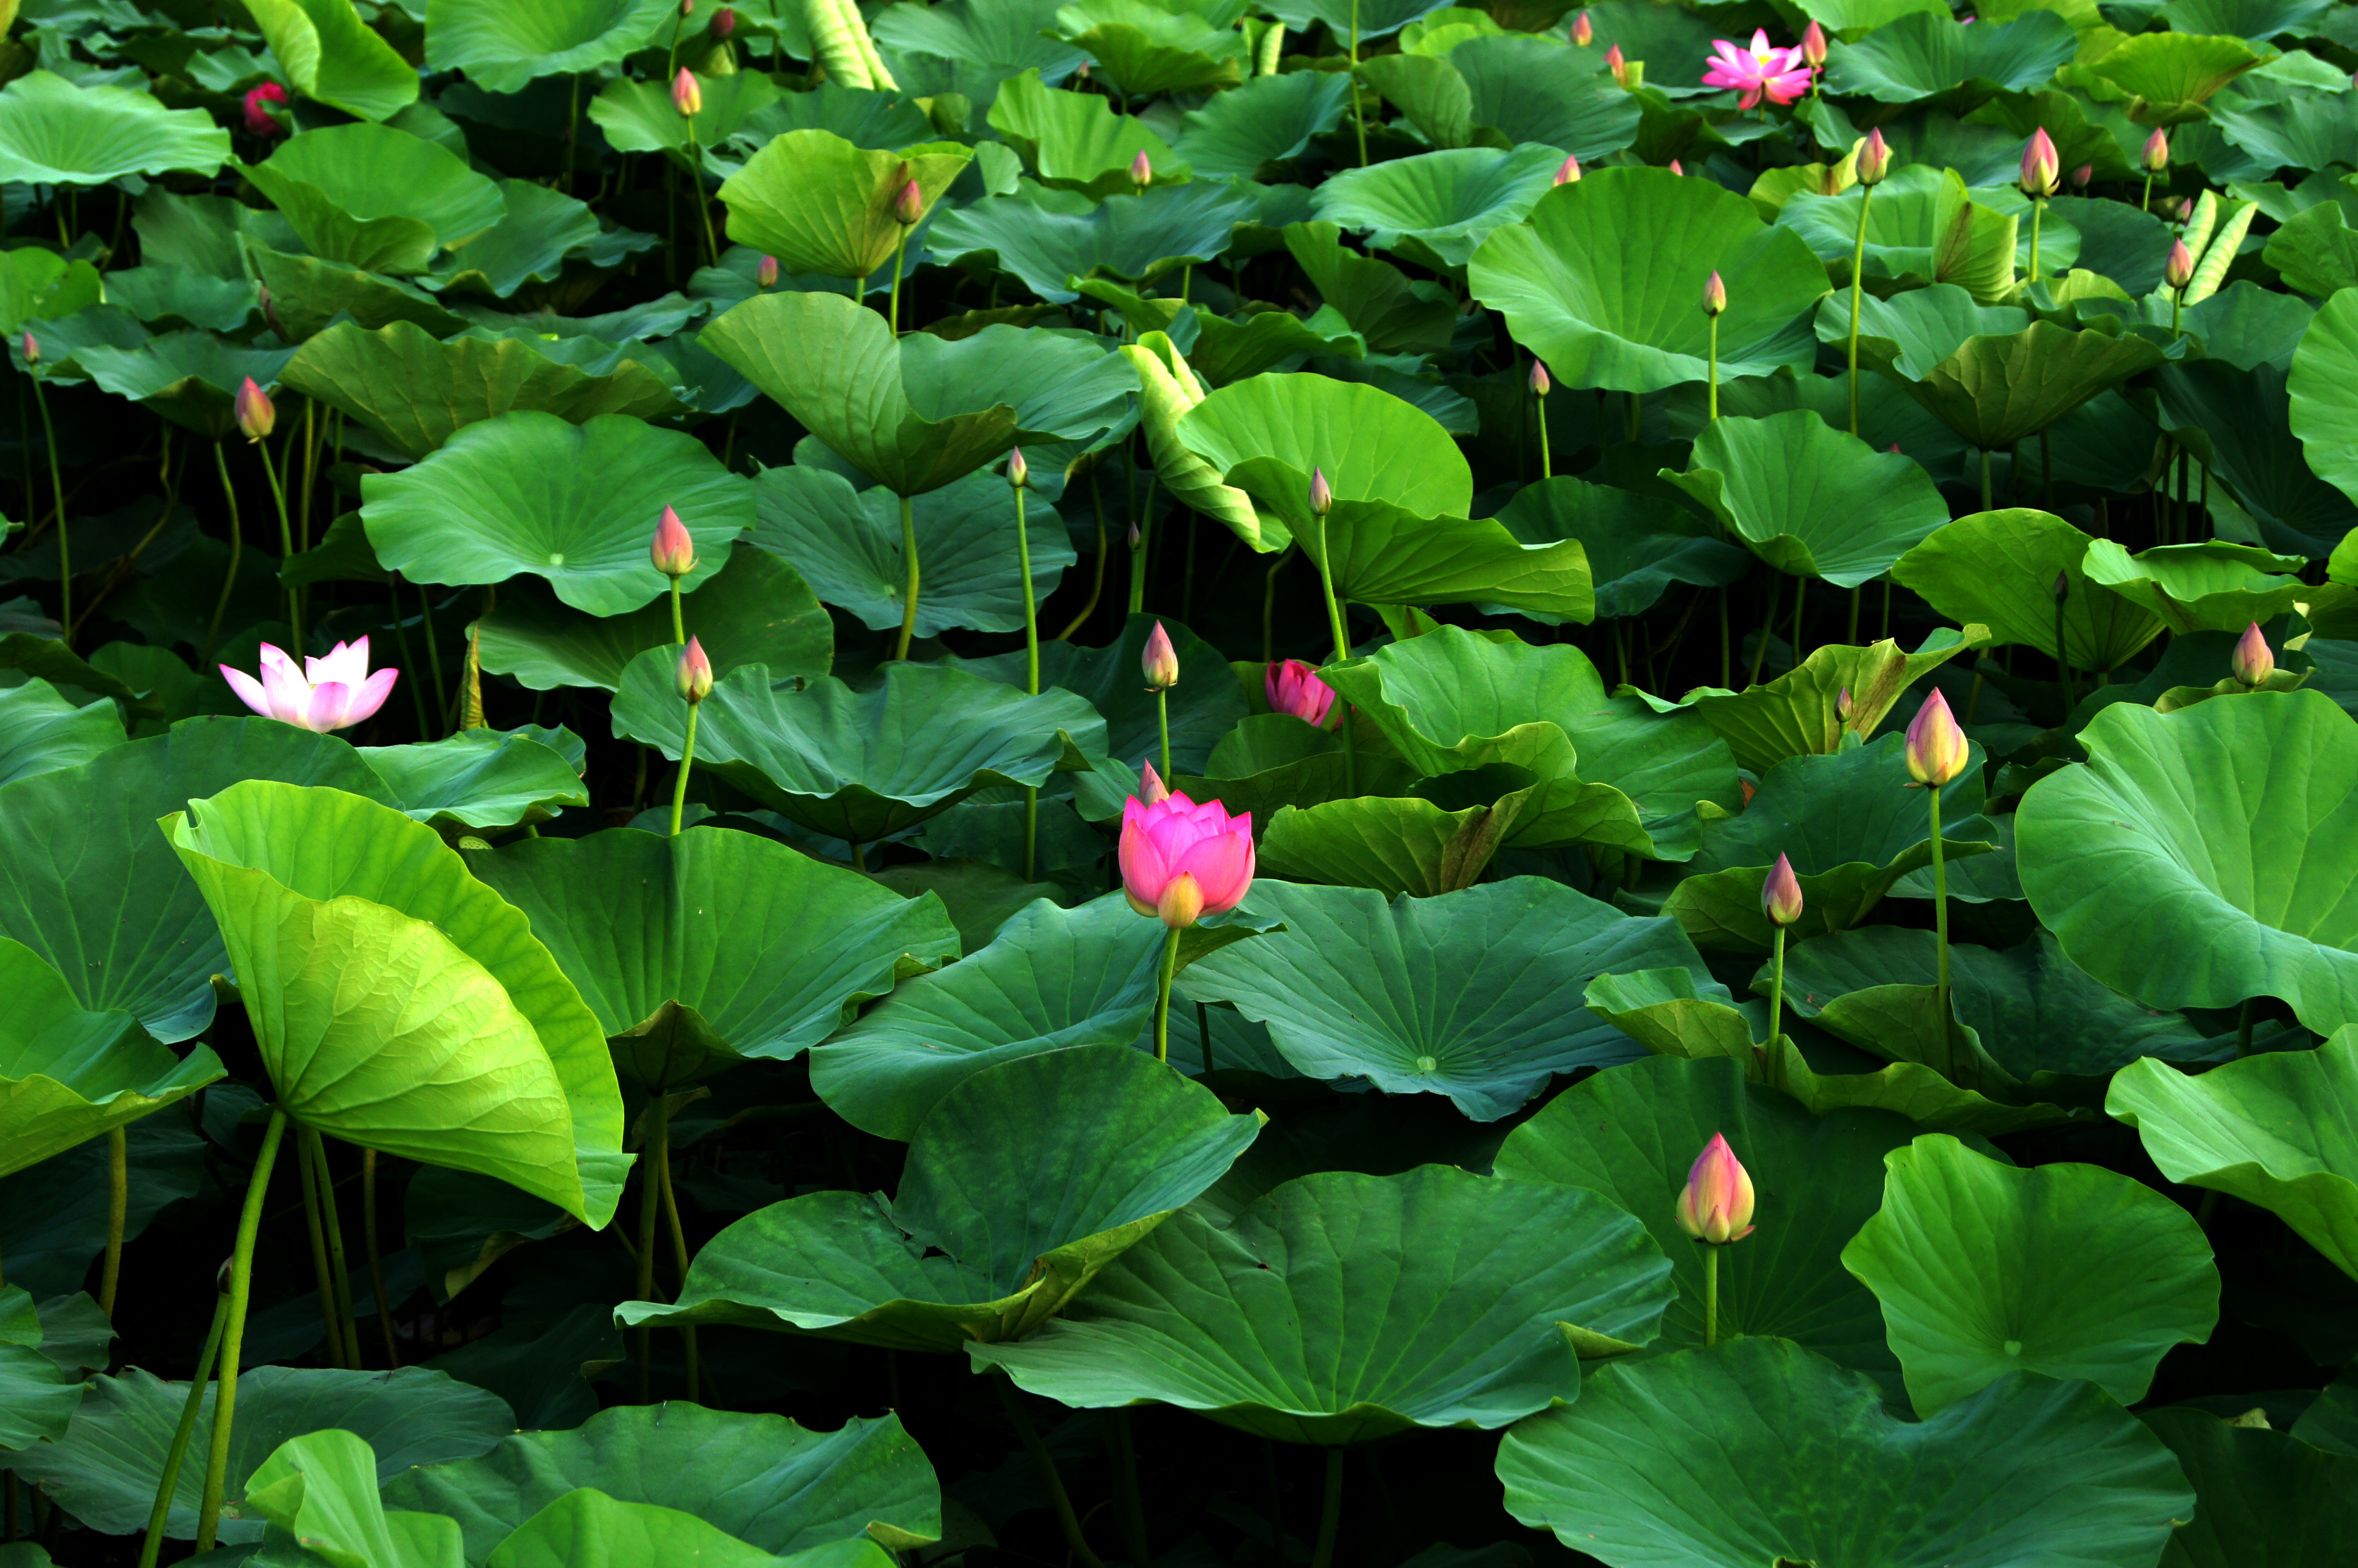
[[1133, 1504], [1204, 1035], [376, 1256], [229, 576], [286, 543], [1767, 624], [2038, 211], [1714, 379], [704, 207], [1358, 114], [1163, 975], [339, 1273], [308, 1170], [1163, 717], [657, 1153], [1330, 1511], [433, 658], [241, 1293], [679, 1261], [1326, 590], [678, 621], [1096, 581], [909, 595], [1940, 923], [1711, 1290], [2177, 312], [1144, 524], [893, 302], [151, 1549], [118, 1204], [679, 784], [1857, 281], [1268, 604], [1030, 678], [65, 545], [1987, 504], [2145, 203], [1058, 1498], [1776, 1073]]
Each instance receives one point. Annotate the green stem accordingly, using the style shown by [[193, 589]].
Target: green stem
[[893, 302], [1857, 281], [176, 1455], [1138, 552], [1030, 677], [2038, 211], [1058, 1498], [703, 207], [308, 1170], [679, 1261], [118, 1204], [65, 546], [1767, 625], [1330, 1511], [678, 621], [240, 1292], [656, 1155], [1163, 716], [1776, 1073], [1547, 463], [2176, 310], [1710, 1293], [679, 784], [1941, 919], [2145, 203], [286, 545], [2243, 1029], [1334, 606], [1133, 1504], [339, 1272], [1987, 504], [434, 657], [909, 595], [376, 1257], [1163, 973], [1714, 367], [1358, 116], [236, 543]]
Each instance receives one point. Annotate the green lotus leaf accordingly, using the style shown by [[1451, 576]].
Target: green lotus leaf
[[41, 285], [1528, 90], [1430, 93], [1813, 1469], [529, 491], [2253, 1129], [1168, 388], [921, 413], [2324, 409], [307, 296], [56, 131], [1922, 226], [1984, 1270], [1632, 1132], [1910, 334], [1395, 846], [39, 1391], [1374, 19], [88, 883], [2256, 1490], [1376, 299], [479, 778], [1800, 713], [542, 228], [376, 198], [754, 610], [2169, 76], [2212, 586], [989, 44], [1268, 120], [1340, 1308], [1048, 237], [417, 392], [2315, 251], [503, 45], [1637, 546], [41, 731], [1994, 391], [1999, 569], [668, 938], [1023, 1181], [821, 205], [105, 1470], [863, 765], [334, 57], [1203, 706], [190, 378], [326, 899], [2194, 860], [1812, 500], [639, 116], [847, 543], [1920, 54], [1460, 994], [68, 1074], [1582, 285], [761, 1478], [1447, 202], [587, 1526], [321, 1487], [1078, 141], [1149, 51], [2244, 416]]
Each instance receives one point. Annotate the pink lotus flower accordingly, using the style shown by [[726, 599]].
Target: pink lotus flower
[[687, 96], [259, 120], [1780, 895], [327, 693], [765, 273], [1160, 662], [1295, 687], [1760, 70], [1937, 749], [2254, 661], [673, 550], [1181, 862], [1716, 1204], [256, 415]]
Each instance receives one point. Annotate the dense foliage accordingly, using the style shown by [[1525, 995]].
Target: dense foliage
[[1179, 782]]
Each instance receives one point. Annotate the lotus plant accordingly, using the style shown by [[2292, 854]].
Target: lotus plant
[[258, 417], [1295, 687], [30, 346], [2253, 662], [2042, 168], [673, 553], [1583, 32], [2177, 273], [1872, 159], [1160, 664], [1181, 862], [687, 97], [692, 678], [1541, 386], [1716, 1208], [1760, 70], [332, 692], [908, 207], [258, 103], [1780, 900], [1715, 305], [1938, 754], [2155, 161]]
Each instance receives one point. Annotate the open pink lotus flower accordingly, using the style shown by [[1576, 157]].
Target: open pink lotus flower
[[1761, 70], [328, 693], [1181, 862], [1295, 687]]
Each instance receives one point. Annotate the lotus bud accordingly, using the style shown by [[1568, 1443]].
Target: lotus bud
[[688, 7], [693, 676], [2041, 165], [2156, 156], [1814, 44], [724, 22], [1716, 1205], [1150, 787], [259, 120], [1715, 296], [2083, 175], [908, 204], [1161, 660], [1540, 384], [1582, 33], [673, 551], [2062, 587], [765, 274], [2185, 209], [2179, 270], [1018, 472], [31, 347], [1568, 171], [255, 413], [1141, 172], [1842, 705], [2254, 661], [1322, 494], [1618, 66], [685, 95], [1134, 538], [1874, 158], [1780, 895], [1937, 749], [1677, 168]]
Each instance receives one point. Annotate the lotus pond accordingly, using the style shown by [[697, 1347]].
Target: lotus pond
[[1179, 782]]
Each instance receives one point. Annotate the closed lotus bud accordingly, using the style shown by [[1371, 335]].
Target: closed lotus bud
[[2253, 662], [2062, 587], [693, 676], [1842, 705], [724, 22], [1540, 384], [32, 348], [672, 552], [1134, 538], [908, 204], [255, 413], [1141, 172], [1018, 472], [1161, 660], [1322, 494], [1568, 171], [2081, 175], [688, 7], [685, 95], [1814, 44], [1780, 895], [2041, 165], [765, 273], [1874, 158], [1937, 749], [1678, 168], [1715, 296], [2179, 270], [1618, 66], [1716, 1205], [1150, 787], [2184, 211], [2156, 156], [1582, 33]]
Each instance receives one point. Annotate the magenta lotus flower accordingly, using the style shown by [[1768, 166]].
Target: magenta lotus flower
[[256, 415], [1761, 70], [333, 692], [1181, 862], [1716, 1204], [259, 120], [1295, 687]]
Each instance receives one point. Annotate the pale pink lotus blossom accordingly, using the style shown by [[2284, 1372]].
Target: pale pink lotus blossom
[[1716, 1205], [1760, 70], [1181, 862], [1295, 687], [332, 692]]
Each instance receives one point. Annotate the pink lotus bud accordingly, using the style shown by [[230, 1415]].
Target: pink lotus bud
[[688, 7], [1618, 66], [255, 413], [1677, 168], [2156, 156], [1295, 687], [1568, 171], [259, 120], [2179, 270], [1814, 44], [2081, 175], [2184, 211], [672, 552], [1018, 472], [2254, 661], [1141, 172], [1937, 749], [1134, 538], [31, 347], [685, 95], [1780, 895], [1322, 494], [765, 273], [1171, 840], [1582, 33], [908, 204], [724, 22], [693, 678], [1161, 660], [1842, 705], [1715, 296], [1716, 1205], [2041, 165], [1540, 384], [1874, 158], [332, 692], [1150, 787]]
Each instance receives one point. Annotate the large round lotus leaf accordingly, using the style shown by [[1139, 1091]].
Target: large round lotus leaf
[[2210, 586], [1587, 284], [68, 1074], [994, 45], [105, 1470], [1918, 55], [2169, 76], [308, 295], [1341, 1307], [1999, 569], [1448, 202], [1022, 1182], [588, 1526], [1203, 705], [640, 118], [1374, 19], [1996, 391], [1464, 994], [503, 44], [2255, 1129], [761, 1478], [334, 57], [1527, 89], [1168, 388], [1374, 298], [478, 778], [41, 731], [190, 378], [1806, 1465], [39, 1391], [321, 1487], [542, 228], [2244, 415], [1632, 1132], [1637, 546], [2324, 392], [1268, 120], [88, 883], [2203, 857], [1048, 238], [671, 941], [1812, 500], [1074, 141], [2260, 1496], [55, 132], [399, 1003], [821, 205], [863, 765], [1803, 712], [376, 198], [36, 284], [2071, 1270], [1392, 843], [528, 492], [417, 393], [1149, 50], [1370, 445]]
